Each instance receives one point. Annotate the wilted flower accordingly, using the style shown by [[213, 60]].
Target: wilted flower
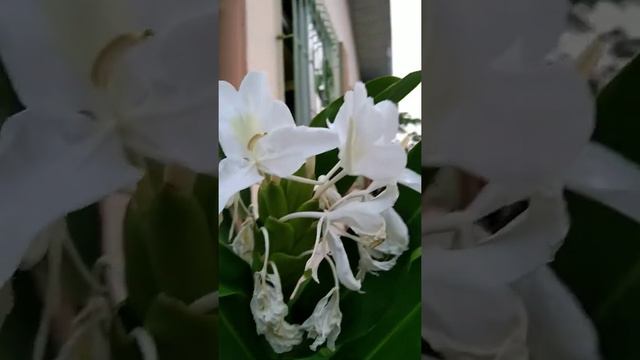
[[269, 310], [324, 323]]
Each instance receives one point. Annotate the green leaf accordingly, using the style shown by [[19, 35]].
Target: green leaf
[[181, 250], [238, 331], [235, 274], [141, 282], [181, 334], [271, 200], [397, 333], [400, 89], [281, 236]]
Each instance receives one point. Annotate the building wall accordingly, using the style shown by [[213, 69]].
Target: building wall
[[232, 41], [339, 13], [264, 49]]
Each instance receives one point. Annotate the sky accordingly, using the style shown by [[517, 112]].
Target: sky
[[406, 47]]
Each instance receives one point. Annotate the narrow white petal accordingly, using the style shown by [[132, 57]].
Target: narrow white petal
[[410, 179], [235, 175], [50, 165], [605, 176], [343, 268]]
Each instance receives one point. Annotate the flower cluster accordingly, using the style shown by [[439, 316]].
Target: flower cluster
[[262, 144]]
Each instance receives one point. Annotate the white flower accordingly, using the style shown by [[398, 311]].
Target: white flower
[[324, 323], [258, 136], [269, 310], [75, 144], [364, 217], [367, 134], [382, 256]]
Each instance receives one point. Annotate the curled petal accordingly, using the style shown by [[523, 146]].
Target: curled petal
[[339, 255]]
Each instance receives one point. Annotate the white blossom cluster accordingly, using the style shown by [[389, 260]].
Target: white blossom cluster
[[260, 139]]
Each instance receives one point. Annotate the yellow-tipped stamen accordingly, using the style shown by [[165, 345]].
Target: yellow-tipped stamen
[[104, 63]]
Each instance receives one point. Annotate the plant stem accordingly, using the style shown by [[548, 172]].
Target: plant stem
[[304, 180]]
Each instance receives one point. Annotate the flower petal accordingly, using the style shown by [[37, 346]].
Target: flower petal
[[51, 164], [397, 237], [526, 243], [235, 175], [603, 175], [558, 326], [178, 130], [339, 255], [284, 150], [411, 179], [521, 140], [26, 39], [381, 162]]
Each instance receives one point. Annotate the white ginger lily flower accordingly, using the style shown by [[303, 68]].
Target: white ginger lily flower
[[367, 134], [128, 96], [258, 136], [364, 217], [324, 323]]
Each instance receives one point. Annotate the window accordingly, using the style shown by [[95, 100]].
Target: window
[[316, 58]]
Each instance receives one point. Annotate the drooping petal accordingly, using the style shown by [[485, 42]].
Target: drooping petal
[[235, 175], [339, 255], [558, 326], [324, 323], [284, 150], [397, 234], [601, 174], [369, 264], [51, 164]]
